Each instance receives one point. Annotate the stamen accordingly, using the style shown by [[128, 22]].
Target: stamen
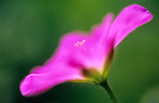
[[80, 44]]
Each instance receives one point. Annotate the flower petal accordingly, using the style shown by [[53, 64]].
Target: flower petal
[[95, 49], [89, 55], [35, 84], [129, 19], [100, 32]]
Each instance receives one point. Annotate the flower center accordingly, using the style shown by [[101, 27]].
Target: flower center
[[79, 44]]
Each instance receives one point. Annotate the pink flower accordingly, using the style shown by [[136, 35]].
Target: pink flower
[[81, 57]]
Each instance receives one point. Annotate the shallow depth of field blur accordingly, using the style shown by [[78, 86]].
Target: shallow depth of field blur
[[30, 32]]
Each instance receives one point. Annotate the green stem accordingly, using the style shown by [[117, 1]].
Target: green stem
[[107, 88]]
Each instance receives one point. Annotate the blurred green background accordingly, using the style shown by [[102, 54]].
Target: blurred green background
[[30, 31]]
